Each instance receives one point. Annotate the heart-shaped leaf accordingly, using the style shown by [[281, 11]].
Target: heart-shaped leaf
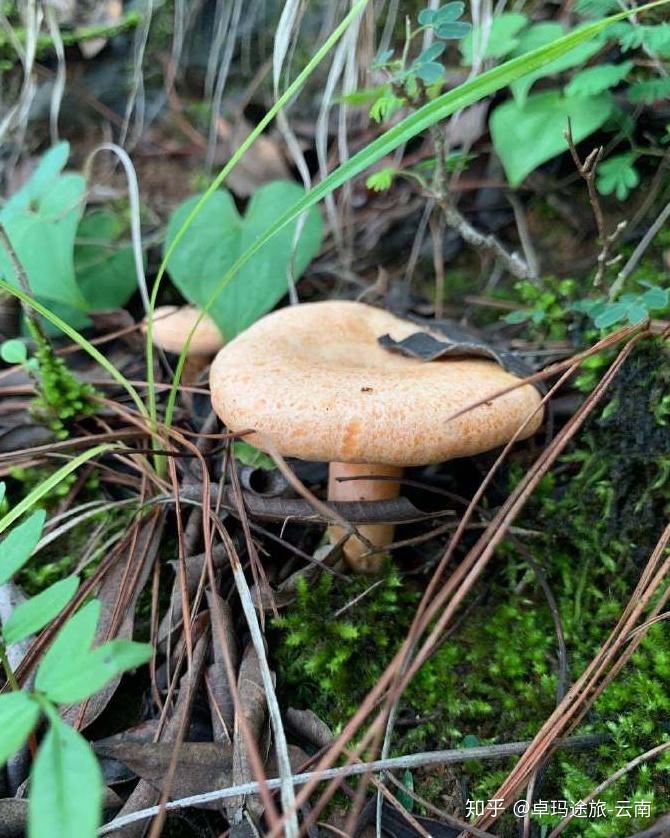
[[525, 137], [216, 238]]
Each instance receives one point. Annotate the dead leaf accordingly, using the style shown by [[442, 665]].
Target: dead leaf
[[263, 162]]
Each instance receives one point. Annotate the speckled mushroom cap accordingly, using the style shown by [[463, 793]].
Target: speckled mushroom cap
[[173, 324], [314, 379]]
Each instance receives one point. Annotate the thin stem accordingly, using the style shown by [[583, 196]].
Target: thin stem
[[6, 665], [22, 277]]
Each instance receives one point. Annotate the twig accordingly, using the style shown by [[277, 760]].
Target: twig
[[639, 251], [481, 241], [453, 755], [587, 170]]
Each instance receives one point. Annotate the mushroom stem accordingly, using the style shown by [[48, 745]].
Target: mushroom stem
[[367, 488]]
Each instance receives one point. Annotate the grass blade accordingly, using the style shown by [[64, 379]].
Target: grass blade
[[53, 480]]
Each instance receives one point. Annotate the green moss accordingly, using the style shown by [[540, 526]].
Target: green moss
[[596, 517]]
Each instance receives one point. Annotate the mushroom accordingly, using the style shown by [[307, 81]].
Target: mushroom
[[171, 327], [315, 380]]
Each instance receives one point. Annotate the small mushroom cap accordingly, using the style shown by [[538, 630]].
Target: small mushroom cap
[[173, 324], [314, 379]]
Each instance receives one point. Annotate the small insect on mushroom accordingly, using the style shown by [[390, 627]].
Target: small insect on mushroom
[[316, 381]]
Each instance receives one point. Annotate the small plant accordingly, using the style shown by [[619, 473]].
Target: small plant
[[66, 782], [628, 308], [60, 395]]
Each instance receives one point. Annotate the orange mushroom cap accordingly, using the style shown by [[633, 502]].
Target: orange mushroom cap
[[314, 378], [173, 324]]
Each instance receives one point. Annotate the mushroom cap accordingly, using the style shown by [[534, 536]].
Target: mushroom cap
[[314, 379], [173, 324]]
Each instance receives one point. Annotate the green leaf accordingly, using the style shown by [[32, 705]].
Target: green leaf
[[430, 72], [35, 613], [250, 456], [404, 798], [41, 221], [382, 59], [13, 351], [453, 31], [18, 716], [71, 644], [650, 91], [637, 312], [104, 266], [617, 175], [515, 317], [525, 137], [431, 53], [79, 677], [57, 477], [596, 8], [385, 107], [17, 547], [502, 39], [597, 79], [426, 17], [449, 12], [572, 58], [2, 492], [611, 314], [656, 298], [382, 180], [218, 237], [66, 786]]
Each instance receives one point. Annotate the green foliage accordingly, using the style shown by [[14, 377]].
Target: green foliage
[[67, 785], [17, 547], [533, 126], [66, 782], [104, 265], [250, 456], [617, 175], [31, 616], [502, 37], [423, 77], [598, 79], [628, 308], [649, 91], [41, 220], [525, 136], [75, 265], [548, 308], [316, 649], [216, 239], [13, 351], [382, 180], [61, 396]]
